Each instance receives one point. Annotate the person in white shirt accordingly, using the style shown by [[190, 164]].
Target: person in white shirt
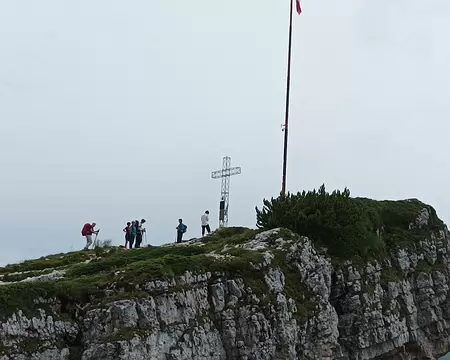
[[139, 232], [205, 223]]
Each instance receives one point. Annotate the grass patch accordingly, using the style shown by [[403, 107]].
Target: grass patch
[[172, 261], [12, 277], [121, 260], [229, 237], [304, 298], [46, 262], [26, 346], [75, 352], [296, 289], [386, 304], [23, 295], [402, 308], [390, 274], [31, 346], [127, 334], [230, 233], [367, 287], [256, 282], [426, 267]]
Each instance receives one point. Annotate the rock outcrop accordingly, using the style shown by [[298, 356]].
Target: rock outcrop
[[250, 296]]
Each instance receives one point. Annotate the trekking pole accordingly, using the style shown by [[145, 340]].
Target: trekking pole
[[95, 240]]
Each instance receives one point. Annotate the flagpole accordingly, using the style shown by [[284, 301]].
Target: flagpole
[[288, 88]]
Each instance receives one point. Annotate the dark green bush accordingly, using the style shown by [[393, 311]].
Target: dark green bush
[[347, 226]]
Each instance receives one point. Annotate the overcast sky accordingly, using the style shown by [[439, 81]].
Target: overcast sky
[[117, 110]]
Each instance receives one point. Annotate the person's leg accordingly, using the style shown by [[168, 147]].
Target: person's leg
[[203, 230], [131, 241], [179, 236], [208, 229], [88, 241], [138, 240]]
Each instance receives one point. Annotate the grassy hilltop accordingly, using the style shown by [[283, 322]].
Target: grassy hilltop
[[87, 274], [349, 228]]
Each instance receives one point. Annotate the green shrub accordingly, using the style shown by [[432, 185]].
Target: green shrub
[[347, 226]]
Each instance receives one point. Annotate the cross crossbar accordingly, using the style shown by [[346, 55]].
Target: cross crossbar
[[225, 172]]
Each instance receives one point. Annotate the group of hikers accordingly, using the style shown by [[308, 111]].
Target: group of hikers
[[134, 231]]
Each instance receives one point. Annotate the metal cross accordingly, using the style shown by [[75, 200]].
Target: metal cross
[[225, 174]]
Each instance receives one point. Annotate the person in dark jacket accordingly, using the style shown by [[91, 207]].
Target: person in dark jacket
[[133, 234], [181, 229], [127, 231]]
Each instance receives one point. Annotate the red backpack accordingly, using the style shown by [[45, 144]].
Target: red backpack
[[85, 229]]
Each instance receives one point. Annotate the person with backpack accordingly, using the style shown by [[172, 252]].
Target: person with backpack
[[87, 231], [181, 229], [205, 223], [139, 231], [127, 231]]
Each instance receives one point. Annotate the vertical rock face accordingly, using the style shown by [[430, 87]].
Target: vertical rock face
[[292, 303]]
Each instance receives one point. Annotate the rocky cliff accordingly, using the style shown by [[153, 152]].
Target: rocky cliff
[[238, 294]]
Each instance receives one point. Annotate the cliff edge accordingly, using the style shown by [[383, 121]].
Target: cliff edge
[[237, 294]]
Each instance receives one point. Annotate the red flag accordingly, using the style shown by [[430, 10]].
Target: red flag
[[299, 8]]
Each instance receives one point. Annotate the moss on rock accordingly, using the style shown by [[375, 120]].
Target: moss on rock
[[390, 274]]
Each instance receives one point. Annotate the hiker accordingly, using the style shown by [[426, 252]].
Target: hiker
[[181, 229], [127, 231], [139, 231], [205, 223], [87, 231], [133, 234]]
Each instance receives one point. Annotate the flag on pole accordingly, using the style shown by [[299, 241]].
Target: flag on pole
[[299, 8]]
